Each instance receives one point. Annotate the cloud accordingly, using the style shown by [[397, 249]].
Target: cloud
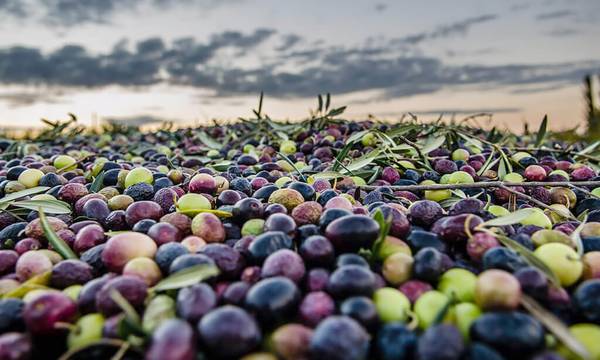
[[136, 120], [73, 65], [12, 8], [392, 67], [68, 13], [455, 111], [381, 7], [288, 42], [26, 98], [460, 27], [562, 32], [554, 15]]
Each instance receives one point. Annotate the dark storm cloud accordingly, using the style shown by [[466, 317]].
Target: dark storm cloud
[[457, 28], [12, 8], [136, 120], [302, 72], [73, 65], [555, 15], [288, 42], [18, 99], [562, 32], [455, 111], [75, 12], [381, 7]]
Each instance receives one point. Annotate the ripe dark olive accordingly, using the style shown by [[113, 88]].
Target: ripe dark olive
[[443, 342], [587, 300], [267, 243], [307, 191], [419, 239], [248, 208], [339, 338], [395, 341], [133, 289], [351, 259], [193, 302], [317, 250], [71, 272], [503, 258], [167, 253], [425, 212], [351, 233], [273, 300], [361, 309], [400, 226], [286, 263], [351, 280], [454, 228], [315, 307], [228, 332], [173, 339], [510, 333], [330, 215], [15, 346], [11, 315], [42, 314], [428, 265], [229, 261]]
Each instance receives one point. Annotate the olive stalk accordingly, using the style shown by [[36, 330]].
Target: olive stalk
[[483, 185]]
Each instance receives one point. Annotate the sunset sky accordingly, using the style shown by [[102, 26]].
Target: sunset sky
[[194, 60]]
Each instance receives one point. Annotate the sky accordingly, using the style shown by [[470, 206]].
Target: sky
[[190, 61]]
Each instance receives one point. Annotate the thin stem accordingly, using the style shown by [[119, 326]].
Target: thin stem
[[537, 202], [483, 185], [564, 151], [589, 193]]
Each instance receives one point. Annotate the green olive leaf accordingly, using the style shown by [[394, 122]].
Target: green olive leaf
[[555, 326], [57, 243], [528, 256], [48, 206], [23, 193], [187, 277], [510, 219]]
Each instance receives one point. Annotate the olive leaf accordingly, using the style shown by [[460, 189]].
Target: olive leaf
[[23, 193], [222, 165], [83, 351], [327, 175], [97, 183], [159, 309], [40, 281], [541, 132], [528, 256], [384, 229], [441, 314], [555, 326], [510, 219], [473, 141], [57, 243], [48, 206], [218, 213], [341, 156], [501, 168], [356, 136], [362, 161], [289, 161], [488, 163], [209, 141], [187, 277], [576, 236], [433, 143], [132, 322]]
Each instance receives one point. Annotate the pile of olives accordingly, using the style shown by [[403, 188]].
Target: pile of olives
[[310, 248]]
